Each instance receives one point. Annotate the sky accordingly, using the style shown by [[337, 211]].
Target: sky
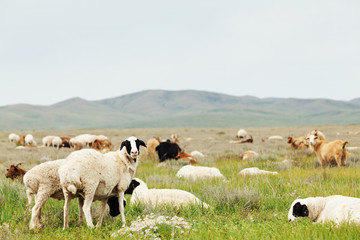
[[54, 50]]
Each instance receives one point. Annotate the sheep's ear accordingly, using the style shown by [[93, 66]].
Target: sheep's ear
[[141, 143], [122, 145]]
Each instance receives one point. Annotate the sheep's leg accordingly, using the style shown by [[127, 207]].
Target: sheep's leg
[[35, 221], [87, 208], [81, 212], [29, 197], [66, 208], [121, 207], [103, 207]]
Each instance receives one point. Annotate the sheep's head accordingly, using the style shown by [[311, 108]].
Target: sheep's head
[[298, 209], [132, 145]]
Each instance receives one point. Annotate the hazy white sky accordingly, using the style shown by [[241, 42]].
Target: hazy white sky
[[54, 50]]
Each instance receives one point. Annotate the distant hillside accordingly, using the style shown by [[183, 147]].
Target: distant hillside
[[159, 108]]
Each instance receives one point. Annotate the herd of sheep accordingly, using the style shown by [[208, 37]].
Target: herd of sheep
[[104, 175]]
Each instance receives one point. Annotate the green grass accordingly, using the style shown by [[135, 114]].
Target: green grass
[[242, 208]]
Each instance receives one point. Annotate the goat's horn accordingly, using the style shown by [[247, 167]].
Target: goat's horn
[[19, 164]]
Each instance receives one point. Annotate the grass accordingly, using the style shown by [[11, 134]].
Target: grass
[[243, 207]]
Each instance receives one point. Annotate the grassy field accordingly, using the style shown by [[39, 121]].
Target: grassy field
[[241, 208]]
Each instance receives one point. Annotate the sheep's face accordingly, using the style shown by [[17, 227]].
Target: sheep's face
[[132, 145], [297, 210]]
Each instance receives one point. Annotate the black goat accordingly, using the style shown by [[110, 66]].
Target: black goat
[[167, 150]]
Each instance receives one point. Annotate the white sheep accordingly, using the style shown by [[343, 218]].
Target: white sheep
[[56, 142], [14, 138], [99, 176], [195, 172], [275, 138], [159, 197], [47, 141], [29, 140], [42, 181], [336, 208], [256, 171], [197, 154], [241, 133]]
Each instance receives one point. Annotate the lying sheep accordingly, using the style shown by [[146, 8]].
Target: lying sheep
[[14, 138], [275, 138], [248, 155], [241, 133], [195, 172], [42, 181], [256, 171], [159, 197], [197, 154], [298, 143], [99, 176], [338, 209], [329, 152]]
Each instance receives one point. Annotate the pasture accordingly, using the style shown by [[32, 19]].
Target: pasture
[[244, 207]]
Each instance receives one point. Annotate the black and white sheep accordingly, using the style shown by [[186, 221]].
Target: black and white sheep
[[336, 208]]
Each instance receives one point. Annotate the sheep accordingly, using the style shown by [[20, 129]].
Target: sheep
[[151, 144], [241, 133], [29, 140], [15, 172], [255, 171], [159, 197], [248, 155], [56, 142], [167, 150], [65, 142], [14, 138], [329, 152], [102, 146], [336, 208], [197, 154], [43, 182], [47, 141], [275, 138], [195, 172], [99, 176], [298, 143], [85, 140]]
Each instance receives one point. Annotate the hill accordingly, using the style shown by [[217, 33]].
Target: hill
[[160, 108]]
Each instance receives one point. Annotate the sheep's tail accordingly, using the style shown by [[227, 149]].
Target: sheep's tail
[[344, 154], [71, 188], [69, 180]]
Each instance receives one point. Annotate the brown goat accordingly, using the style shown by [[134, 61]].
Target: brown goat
[[329, 152], [65, 142], [298, 143], [102, 146], [151, 144], [183, 156], [15, 172], [21, 141]]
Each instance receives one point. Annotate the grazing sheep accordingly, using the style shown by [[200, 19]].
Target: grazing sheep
[[14, 138], [248, 155], [329, 152], [102, 146], [42, 181], [241, 133], [167, 150], [338, 209], [47, 141], [255, 171], [65, 142], [99, 176], [56, 142], [298, 143], [15, 172], [151, 144], [29, 140], [195, 172], [275, 138], [159, 197]]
